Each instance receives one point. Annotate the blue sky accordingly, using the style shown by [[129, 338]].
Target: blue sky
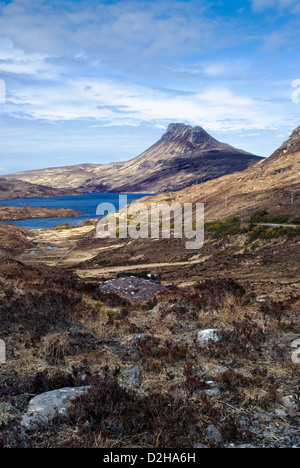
[[99, 81]]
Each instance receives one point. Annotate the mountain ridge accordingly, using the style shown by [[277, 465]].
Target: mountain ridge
[[272, 184], [181, 157]]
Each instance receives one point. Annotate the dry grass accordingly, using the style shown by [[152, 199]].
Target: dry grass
[[62, 335], [56, 347]]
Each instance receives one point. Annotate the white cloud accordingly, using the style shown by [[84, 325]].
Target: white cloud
[[14, 60], [167, 28], [129, 62], [108, 102]]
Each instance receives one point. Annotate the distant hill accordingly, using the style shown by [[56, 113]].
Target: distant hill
[[13, 189], [16, 213], [182, 157], [273, 185]]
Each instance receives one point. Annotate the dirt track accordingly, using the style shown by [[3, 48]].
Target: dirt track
[[273, 270]]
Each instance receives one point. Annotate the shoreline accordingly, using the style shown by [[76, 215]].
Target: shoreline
[[14, 213]]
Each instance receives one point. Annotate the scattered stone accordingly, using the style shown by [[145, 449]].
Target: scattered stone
[[213, 390], [263, 417], [280, 413], [205, 336], [290, 402], [133, 377], [292, 413], [211, 384], [138, 336], [44, 408], [223, 370], [7, 413], [243, 446], [214, 435]]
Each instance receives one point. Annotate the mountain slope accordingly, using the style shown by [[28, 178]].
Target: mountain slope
[[182, 157], [272, 184], [13, 189]]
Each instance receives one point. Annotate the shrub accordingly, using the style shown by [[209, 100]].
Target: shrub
[[229, 227], [150, 347], [245, 340], [269, 233], [213, 291], [259, 217], [264, 217], [120, 414]]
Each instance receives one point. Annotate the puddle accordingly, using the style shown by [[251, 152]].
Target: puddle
[[53, 248], [32, 252]]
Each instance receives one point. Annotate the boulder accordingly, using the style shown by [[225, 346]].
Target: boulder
[[133, 288], [205, 336], [45, 407]]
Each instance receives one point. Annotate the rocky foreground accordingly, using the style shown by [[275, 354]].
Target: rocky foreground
[[201, 350]]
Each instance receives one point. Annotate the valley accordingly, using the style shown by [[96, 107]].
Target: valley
[[122, 325]]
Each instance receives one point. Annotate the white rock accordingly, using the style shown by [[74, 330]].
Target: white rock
[[280, 413], [44, 408], [212, 392], [139, 336], [205, 336]]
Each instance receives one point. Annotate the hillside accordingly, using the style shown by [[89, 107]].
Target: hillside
[[182, 157], [13, 189], [202, 354], [13, 240], [16, 213], [273, 184]]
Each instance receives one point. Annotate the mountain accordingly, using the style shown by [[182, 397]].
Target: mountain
[[182, 157], [13, 189], [273, 185]]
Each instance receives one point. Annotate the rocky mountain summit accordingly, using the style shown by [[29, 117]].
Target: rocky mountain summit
[[186, 138], [292, 144]]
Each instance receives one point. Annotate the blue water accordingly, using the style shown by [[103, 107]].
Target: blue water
[[86, 204]]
